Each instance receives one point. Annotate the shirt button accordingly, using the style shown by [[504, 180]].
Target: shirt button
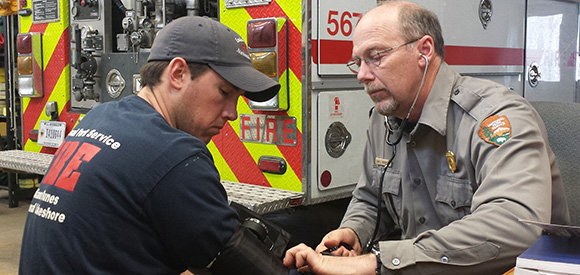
[[453, 203], [456, 92], [417, 181], [396, 261], [444, 259], [413, 143], [422, 220]]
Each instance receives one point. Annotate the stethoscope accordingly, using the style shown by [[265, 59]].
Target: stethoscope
[[389, 133]]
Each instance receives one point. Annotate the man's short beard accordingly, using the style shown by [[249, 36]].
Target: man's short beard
[[387, 107]]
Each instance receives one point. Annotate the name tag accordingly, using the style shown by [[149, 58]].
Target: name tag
[[51, 133], [381, 162]]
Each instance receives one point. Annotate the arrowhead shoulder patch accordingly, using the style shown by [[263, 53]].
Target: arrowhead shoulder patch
[[495, 130]]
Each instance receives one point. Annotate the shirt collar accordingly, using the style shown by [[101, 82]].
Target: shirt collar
[[434, 112]]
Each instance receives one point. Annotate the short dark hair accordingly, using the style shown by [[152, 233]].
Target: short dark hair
[[416, 21], [151, 72]]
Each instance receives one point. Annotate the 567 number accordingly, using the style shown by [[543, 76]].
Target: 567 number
[[345, 25]]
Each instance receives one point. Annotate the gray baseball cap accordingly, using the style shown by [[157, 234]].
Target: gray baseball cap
[[204, 40]]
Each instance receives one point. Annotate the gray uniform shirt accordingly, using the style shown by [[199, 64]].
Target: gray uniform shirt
[[461, 220]]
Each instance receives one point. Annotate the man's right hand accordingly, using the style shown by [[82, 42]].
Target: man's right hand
[[337, 236]]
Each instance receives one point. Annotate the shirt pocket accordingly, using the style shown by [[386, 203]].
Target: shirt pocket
[[391, 180], [454, 196], [391, 190]]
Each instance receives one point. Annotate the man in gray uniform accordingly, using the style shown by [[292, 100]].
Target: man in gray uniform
[[458, 161]]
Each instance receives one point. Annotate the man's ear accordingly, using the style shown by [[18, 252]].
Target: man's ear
[[426, 46], [178, 71]]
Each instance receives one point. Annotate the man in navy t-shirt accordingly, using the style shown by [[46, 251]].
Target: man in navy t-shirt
[[133, 188]]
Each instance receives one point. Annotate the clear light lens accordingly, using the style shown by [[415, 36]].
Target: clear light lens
[[26, 86]]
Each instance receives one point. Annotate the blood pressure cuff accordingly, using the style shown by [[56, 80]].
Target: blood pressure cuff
[[245, 254], [256, 247], [273, 237]]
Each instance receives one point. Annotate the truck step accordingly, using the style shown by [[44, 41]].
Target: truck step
[[19, 161], [259, 199]]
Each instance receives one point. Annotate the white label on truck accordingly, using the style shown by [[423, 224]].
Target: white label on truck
[[51, 133]]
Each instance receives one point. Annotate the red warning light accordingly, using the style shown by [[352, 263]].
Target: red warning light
[[262, 34], [325, 178], [24, 43]]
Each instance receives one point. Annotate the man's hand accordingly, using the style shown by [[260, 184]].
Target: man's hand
[[341, 235], [305, 259]]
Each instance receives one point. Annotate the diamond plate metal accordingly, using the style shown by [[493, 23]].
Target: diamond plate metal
[[259, 199], [230, 4], [25, 161]]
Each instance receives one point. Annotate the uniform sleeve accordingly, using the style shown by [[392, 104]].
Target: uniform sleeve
[[190, 211], [514, 181]]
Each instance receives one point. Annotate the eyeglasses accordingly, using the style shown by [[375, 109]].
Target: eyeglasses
[[374, 58]]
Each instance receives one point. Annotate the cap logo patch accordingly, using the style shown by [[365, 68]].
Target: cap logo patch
[[242, 49], [495, 130]]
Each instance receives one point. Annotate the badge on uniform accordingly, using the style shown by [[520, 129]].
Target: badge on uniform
[[451, 161], [495, 130]]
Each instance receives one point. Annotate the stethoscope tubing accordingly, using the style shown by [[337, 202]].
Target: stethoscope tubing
[[389, 132]]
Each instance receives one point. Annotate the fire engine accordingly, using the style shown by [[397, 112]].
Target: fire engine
[[305, 145]]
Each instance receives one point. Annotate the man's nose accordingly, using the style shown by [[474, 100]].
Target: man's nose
[[365, 74], [230, 111]]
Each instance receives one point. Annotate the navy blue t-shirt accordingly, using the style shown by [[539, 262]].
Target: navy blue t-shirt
[[127, 193]]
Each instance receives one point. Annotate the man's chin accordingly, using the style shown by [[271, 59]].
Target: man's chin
[[385, 108], [207, 139]]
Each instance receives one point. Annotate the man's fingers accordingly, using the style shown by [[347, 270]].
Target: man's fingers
[[342, 251], [293, 257], [332, 239], [321, 247]]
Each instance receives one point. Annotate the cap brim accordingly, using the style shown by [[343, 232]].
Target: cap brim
[[257, 85]]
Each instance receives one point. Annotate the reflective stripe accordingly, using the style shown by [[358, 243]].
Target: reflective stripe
[[236, 160]]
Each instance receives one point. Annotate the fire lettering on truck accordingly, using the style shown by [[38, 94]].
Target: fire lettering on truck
[[268, 129]]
